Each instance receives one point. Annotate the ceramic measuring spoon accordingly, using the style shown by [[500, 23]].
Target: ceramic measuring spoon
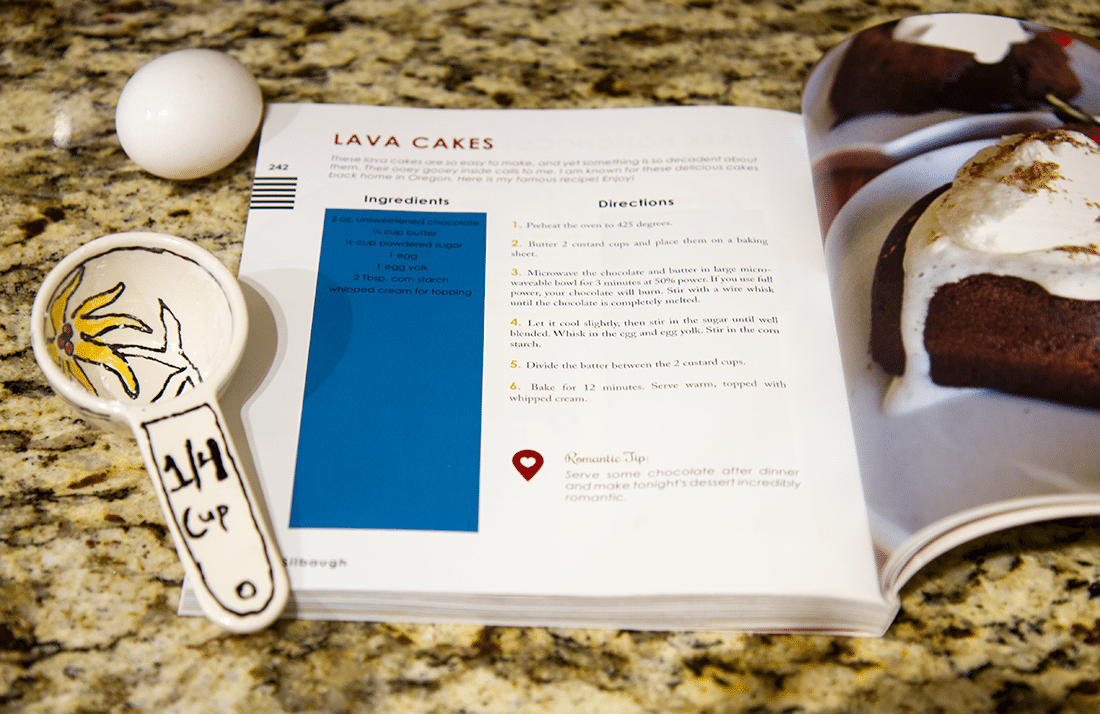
[[139, 331]]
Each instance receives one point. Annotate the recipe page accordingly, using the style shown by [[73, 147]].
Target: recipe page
[[580, 352]]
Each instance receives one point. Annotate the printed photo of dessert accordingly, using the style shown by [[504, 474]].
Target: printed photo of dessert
[[966, 283], [961, 62], [921, 83], [993, 281], [957, 172]]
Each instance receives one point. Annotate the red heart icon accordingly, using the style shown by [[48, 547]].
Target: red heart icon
[[527, 462]]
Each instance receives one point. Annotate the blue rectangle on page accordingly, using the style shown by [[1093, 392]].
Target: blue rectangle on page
[[391, 420]]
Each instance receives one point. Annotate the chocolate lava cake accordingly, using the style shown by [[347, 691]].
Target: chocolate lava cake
[[989, 331], [881, 74]]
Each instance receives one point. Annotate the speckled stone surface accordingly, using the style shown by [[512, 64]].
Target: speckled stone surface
[[88, 578]]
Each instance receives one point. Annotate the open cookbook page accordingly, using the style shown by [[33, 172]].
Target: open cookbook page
[[970, 334], [571, 367]]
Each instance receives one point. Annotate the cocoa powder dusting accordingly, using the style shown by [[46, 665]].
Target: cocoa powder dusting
[[1030, 179]]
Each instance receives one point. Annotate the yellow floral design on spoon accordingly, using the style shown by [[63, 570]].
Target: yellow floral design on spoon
[[76, 334]]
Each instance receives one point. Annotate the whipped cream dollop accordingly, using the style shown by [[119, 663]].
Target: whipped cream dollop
[[1021, 208], [1029, 192], [988, 37]]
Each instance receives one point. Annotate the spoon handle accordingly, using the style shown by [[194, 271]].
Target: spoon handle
[[226, 546]]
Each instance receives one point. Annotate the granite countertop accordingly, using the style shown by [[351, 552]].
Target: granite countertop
[[89, 581]]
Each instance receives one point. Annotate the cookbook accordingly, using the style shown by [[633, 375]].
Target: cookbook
[[614, 367]]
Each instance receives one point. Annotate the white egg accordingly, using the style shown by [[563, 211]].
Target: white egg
[[188, 113]]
